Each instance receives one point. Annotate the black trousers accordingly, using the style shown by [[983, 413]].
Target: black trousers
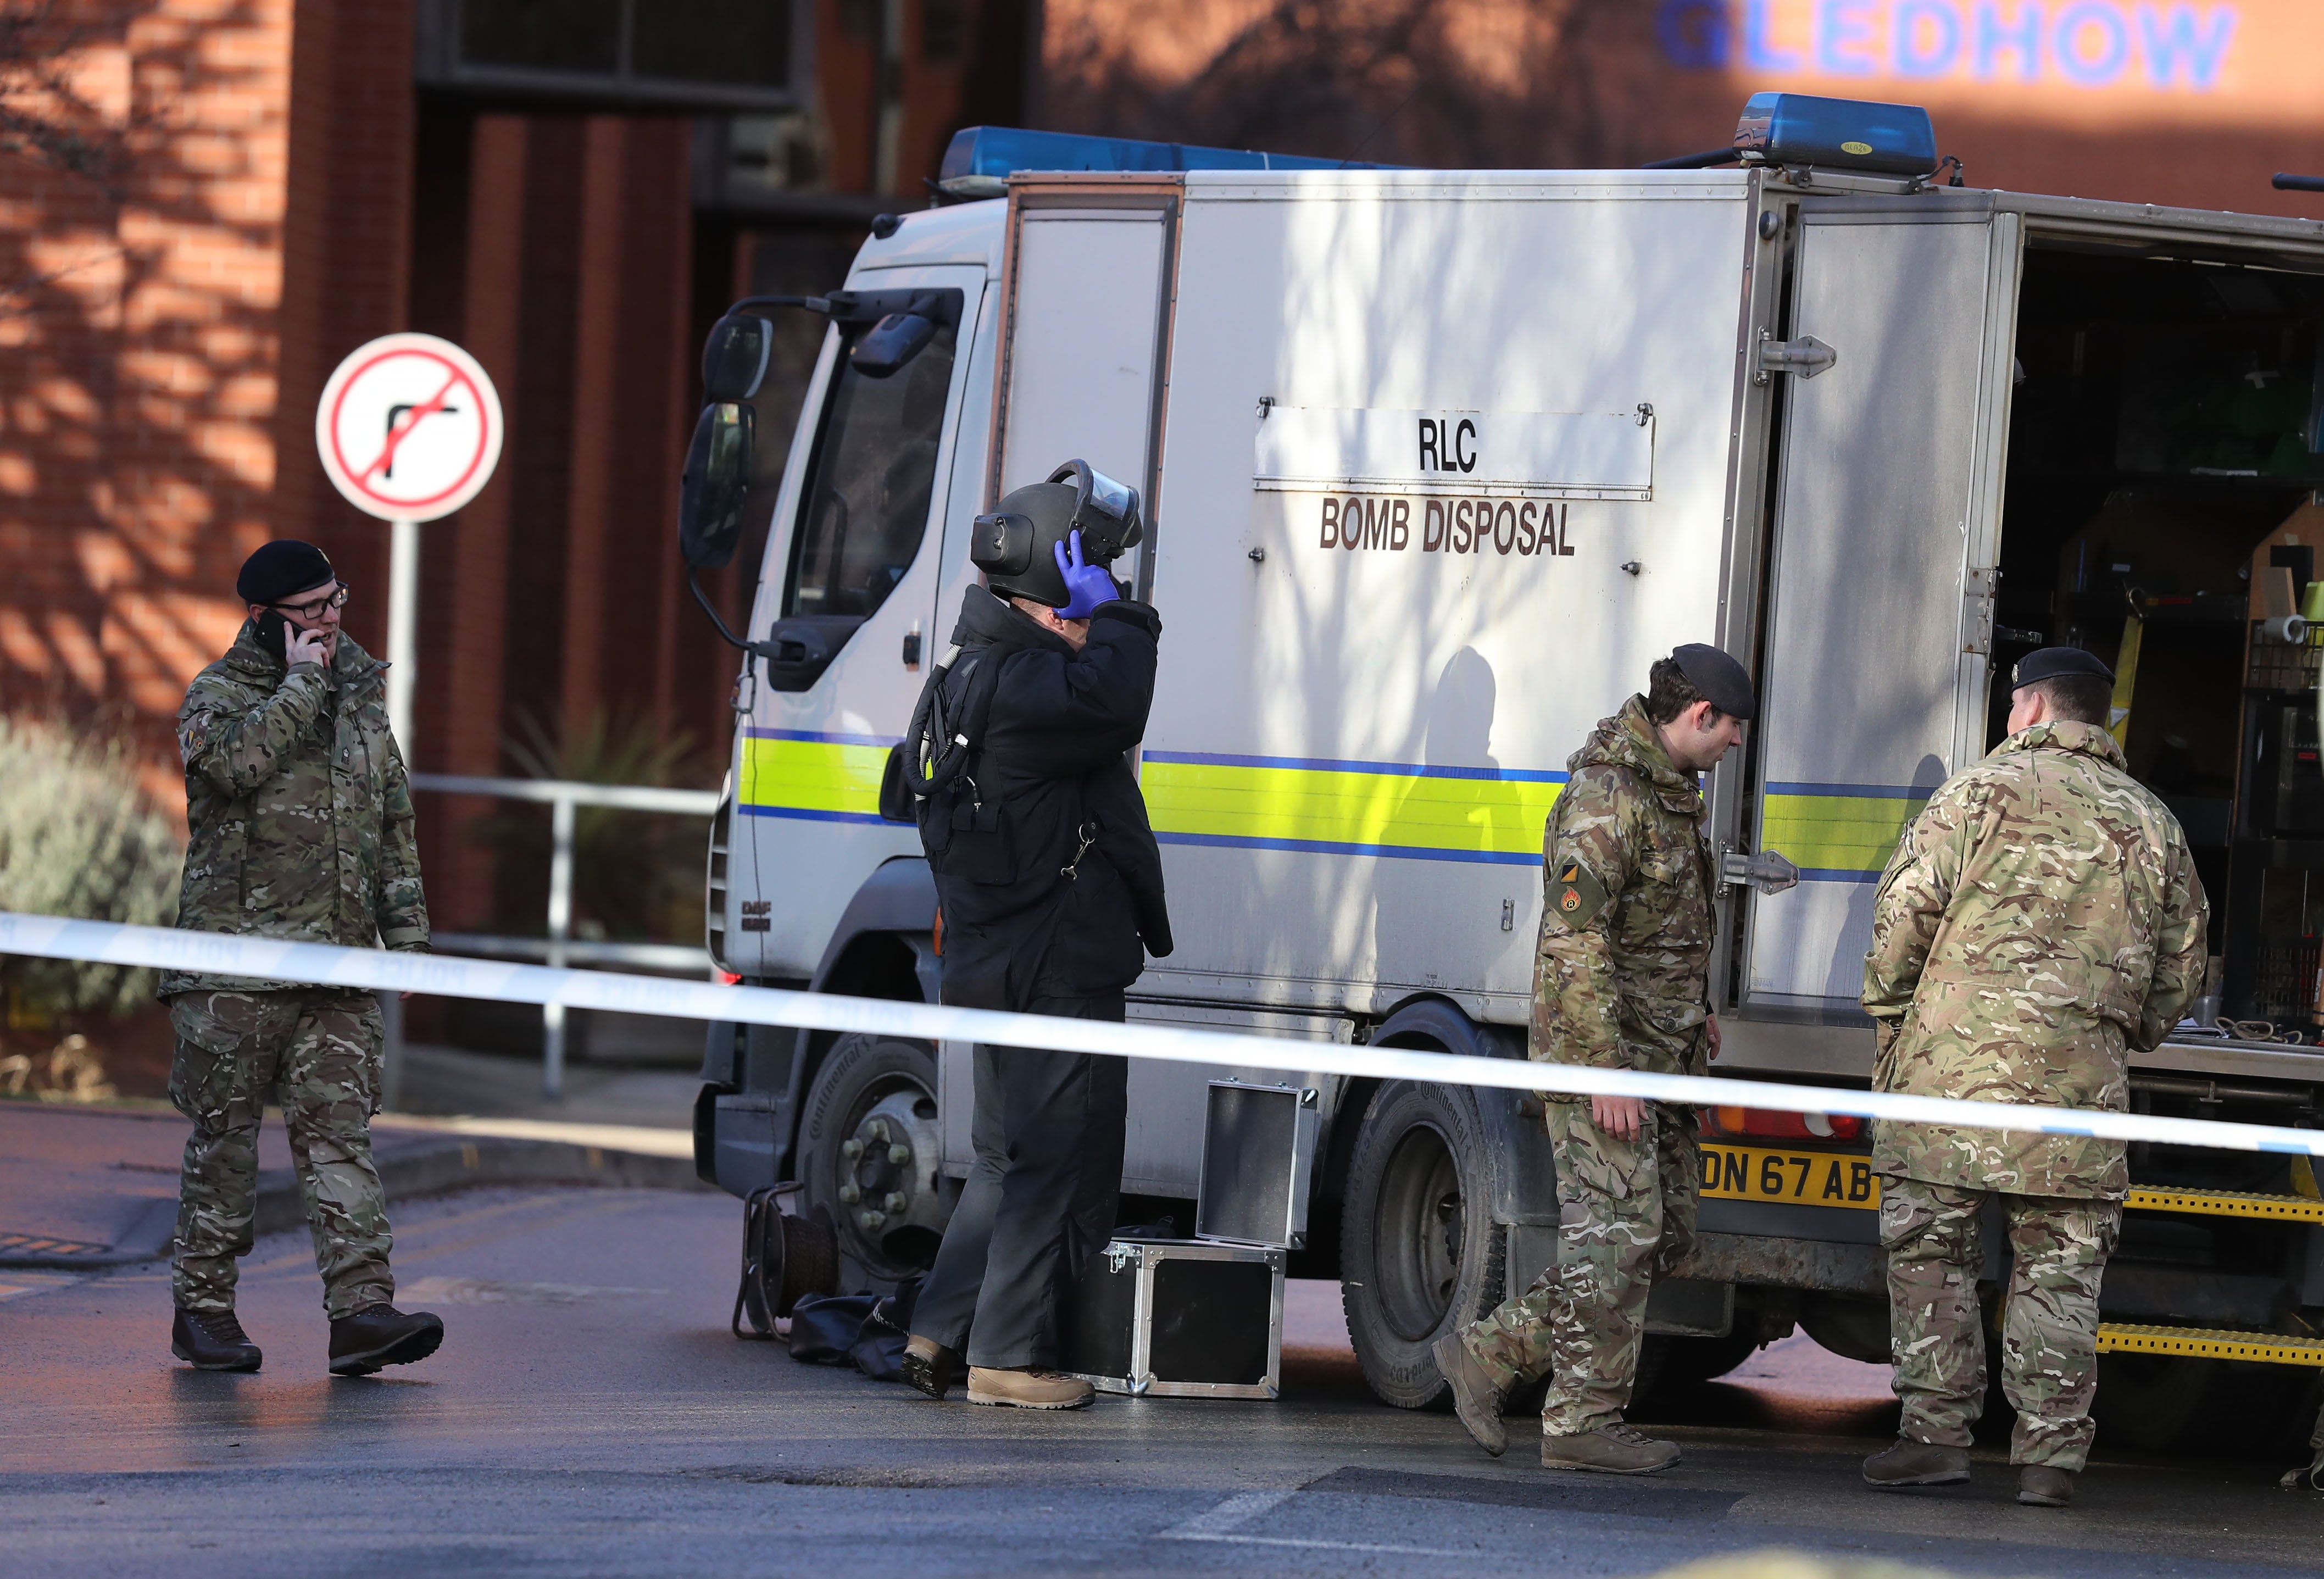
[[1040, 1197]]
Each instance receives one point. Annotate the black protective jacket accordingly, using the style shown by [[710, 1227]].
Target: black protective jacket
[[1048, 790]]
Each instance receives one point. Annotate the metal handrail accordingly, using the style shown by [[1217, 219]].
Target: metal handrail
[[563, 796], [619, 797], [680, 958]]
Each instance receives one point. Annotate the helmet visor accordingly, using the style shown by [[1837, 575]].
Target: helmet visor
[[1105, 510]]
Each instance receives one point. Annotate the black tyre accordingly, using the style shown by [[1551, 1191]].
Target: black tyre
[[872, 1155], [1419, 1252]]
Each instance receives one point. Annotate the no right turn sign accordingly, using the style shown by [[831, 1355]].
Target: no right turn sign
[[409, 428]]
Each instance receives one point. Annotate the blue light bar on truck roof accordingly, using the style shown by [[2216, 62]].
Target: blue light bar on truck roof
[[1838, 133], [979, 160]]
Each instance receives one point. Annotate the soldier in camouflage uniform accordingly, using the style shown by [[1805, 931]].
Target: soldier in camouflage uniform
[[1621, 981], [301, 828], [2040, 915]]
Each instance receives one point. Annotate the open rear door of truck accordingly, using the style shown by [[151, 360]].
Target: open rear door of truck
[[1896, 364], [1081, 373]]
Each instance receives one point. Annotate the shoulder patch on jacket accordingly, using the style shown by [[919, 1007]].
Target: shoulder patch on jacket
[[1575, 897]]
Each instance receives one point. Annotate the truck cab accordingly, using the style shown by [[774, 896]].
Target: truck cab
[[1436, 464]]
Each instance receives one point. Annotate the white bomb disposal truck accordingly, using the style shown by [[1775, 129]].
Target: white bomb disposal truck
[[1435, 464]]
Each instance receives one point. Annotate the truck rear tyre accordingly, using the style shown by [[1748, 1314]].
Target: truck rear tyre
[[1419, 1251], [871, 1154]]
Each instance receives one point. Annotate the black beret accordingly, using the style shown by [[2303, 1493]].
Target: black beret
[[282, 568], [1721, 680], [2050, 662]]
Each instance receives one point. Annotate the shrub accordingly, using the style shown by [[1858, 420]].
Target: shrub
[[78, 837]]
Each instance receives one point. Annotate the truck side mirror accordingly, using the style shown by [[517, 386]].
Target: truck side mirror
[[891, 343], [734, 357], [715, 486]]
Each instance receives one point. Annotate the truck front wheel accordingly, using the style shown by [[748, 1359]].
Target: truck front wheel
[[1419, 1252], [870, 1153]]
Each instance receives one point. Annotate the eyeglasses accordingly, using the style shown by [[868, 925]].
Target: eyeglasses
[[314, 611]]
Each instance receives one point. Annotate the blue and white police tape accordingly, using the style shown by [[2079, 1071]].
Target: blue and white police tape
[[264, 960]]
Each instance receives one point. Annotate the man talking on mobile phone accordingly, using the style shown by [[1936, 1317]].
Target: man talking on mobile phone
[[300, 825]]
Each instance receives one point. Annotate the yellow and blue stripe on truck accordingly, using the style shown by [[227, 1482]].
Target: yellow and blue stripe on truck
[[1328, 807], [1838, 832], [1834, 833], [811, 775]]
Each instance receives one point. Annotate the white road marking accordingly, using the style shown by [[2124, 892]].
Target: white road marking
[[1221, 1522], [1232, 1513], [481, 1291]]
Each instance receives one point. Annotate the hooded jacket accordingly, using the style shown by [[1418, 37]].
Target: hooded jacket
[[2041, 915], [1621, 972], [1051, 766], [298, 809]]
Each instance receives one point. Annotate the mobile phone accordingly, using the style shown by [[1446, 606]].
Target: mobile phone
[[274, 634]]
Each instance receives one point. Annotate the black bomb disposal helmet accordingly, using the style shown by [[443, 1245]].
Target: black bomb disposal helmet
[[1014, 544]]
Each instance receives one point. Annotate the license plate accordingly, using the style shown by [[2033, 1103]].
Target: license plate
[[1797, 1179]]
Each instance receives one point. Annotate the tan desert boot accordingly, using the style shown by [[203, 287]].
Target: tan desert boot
[[1609, 1450], [1028, 1387], [1475, 1399]]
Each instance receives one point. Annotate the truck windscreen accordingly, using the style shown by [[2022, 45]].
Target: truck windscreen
[[866, 500]]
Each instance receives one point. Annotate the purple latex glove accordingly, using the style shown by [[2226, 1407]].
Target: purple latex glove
[[1088, 585]]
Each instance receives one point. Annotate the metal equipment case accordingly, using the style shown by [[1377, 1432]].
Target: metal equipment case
[[1259, 1151], [1165, 1318]]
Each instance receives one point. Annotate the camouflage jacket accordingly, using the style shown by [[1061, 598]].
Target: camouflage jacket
[[297, 806], [1622, 968], [2041, 912]]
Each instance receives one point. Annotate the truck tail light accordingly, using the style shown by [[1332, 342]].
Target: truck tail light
[[1741, 1121]]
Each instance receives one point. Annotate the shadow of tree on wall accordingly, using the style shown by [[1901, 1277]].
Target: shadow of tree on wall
[[1465, 84], [142, 152]]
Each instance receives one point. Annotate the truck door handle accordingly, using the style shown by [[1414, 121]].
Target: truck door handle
[[1769, 871], [1806, 356]]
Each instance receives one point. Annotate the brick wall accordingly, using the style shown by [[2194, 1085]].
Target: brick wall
[[140, 355]]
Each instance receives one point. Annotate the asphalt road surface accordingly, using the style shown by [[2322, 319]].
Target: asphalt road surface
[[590, 1414]]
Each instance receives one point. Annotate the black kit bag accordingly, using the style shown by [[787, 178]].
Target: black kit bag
[[784, 1259], [868, 1331]]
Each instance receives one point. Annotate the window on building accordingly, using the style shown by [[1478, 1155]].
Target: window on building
[[742, 42], [548, 35], [866, 503], [737, 53]]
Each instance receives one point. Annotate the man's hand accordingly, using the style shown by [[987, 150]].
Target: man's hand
[[1710, 1033], [1087, 585], [307, 646], [1622, 1117]]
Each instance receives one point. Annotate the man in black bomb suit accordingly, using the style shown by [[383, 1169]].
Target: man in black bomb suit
[[1050, 888]]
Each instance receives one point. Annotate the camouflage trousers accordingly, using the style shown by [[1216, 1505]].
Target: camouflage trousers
[[2049, 1326], [318, 1054], [1625, 1215]]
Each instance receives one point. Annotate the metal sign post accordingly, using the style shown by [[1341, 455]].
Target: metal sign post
[[402, 628], [409, 430]]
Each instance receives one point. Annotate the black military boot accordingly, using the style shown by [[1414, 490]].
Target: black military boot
[[213, 1340], [381, 1334], [929, 1366], [1917, 1463], [2039, 1485]]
